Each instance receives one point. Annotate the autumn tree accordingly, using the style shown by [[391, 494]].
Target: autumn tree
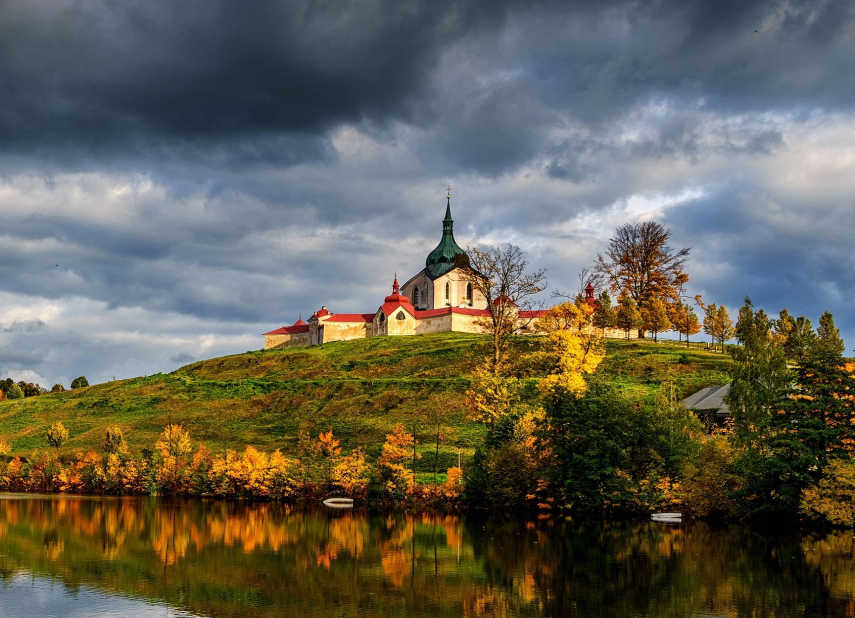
[[329, 449], [717, 323], [501, 277], [605, 315], [173, 445], [685, 320], [782, 326], [574, 350], [114, 441], [628, 315], [57, 435], [351, 473], [654, 315], [396, 450], [639, 262]]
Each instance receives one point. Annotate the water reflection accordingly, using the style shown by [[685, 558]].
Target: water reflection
[[226, 559]]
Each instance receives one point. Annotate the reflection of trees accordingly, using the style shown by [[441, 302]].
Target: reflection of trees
[[231, 559]]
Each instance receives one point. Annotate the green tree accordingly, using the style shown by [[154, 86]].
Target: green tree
[[812, 426], [13, 391], [57, 388], [801, 340], [726, 329], [761, 379], [655, 317], [590, 436], [605, 315], [628, 315], [80, 382], [828, 342], [57, 435], [717, 323], [783, 326]]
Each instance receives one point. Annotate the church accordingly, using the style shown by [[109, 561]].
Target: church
[[437, 299]]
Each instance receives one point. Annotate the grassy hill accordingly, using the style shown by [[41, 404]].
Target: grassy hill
[[359, 388]]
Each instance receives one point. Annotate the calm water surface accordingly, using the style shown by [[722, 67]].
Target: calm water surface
[[146, 557]]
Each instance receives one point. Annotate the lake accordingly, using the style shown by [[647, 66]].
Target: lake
[[130, 557]]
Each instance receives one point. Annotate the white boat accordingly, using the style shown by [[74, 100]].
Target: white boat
[[339, 503], [667, 518]]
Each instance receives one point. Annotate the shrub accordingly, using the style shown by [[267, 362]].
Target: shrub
[[832, 499], [709, 483]]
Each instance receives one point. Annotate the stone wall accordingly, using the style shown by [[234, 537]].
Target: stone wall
[[438, 324], [344, 331], [286, 340]]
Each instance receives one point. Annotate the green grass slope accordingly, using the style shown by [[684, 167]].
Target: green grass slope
[[359, 388]]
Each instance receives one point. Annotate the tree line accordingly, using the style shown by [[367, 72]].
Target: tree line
[[561, 437], [9, 389]]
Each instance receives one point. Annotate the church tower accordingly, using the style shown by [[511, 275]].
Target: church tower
[[440, 284]]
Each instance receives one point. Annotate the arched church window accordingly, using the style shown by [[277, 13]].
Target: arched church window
[[382, 317], [401, 316], [447, 291], [469, 293], [416, 295]]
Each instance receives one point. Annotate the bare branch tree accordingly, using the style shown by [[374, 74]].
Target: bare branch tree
[[500, 276]]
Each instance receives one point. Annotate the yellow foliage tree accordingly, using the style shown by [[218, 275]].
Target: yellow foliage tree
[[491, 393], [173, 445], [574, 348], [351, 473], [833, 498]]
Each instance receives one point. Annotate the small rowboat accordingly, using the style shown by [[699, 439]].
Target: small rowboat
[[339, 503], [667, 518]]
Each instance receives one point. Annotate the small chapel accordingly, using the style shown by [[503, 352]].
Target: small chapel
[[438, 298]]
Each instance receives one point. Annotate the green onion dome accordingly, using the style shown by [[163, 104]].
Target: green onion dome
[[445, 257]]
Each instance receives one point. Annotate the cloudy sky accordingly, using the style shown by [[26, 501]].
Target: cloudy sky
[[177, 178]]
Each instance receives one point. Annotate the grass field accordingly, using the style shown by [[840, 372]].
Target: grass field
[[359, 388]]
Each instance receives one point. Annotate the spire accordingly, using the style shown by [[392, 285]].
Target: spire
[[444, 257], [396, 289]]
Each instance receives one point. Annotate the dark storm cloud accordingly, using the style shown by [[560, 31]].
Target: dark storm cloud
[[224, 83], [142, 77], [195, 170], [790, 255]]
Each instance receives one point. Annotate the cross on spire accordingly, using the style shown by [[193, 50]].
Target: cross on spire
[[448, 195]]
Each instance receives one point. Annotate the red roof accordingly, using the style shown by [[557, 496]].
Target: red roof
[[431, 313], [389, 307], [290, 330], [537, 313], [321, 312], [351, 317], [506, 300]]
